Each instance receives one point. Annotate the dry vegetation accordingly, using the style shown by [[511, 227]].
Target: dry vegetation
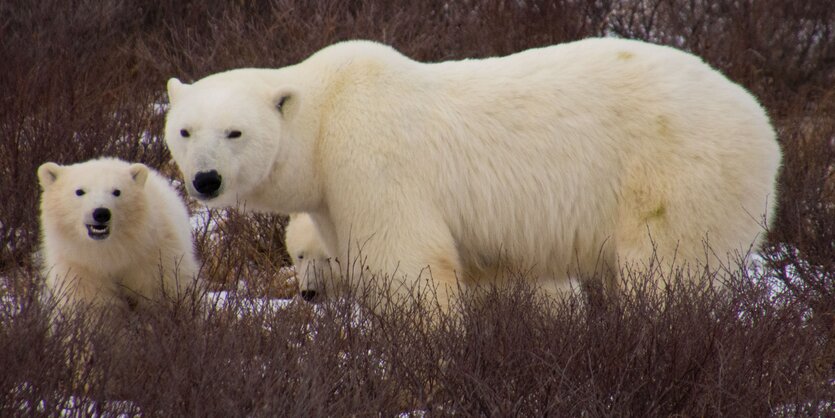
[[85, 78]]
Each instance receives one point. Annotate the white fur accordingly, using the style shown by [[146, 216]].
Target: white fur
[[149, 248], [314, 271], [555, 161], [311, 260]]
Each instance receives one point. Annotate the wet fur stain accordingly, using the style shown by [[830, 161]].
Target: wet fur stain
[[625, 56], [656, 214], [663, 124]]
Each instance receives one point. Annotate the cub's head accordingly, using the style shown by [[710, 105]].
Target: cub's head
[[93, 201], [227, 132], [310, 258]]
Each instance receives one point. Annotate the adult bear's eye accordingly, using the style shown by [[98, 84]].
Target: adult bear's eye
[[117, 192], [185, 133], [301, 256], [234, 134], [79, 192]]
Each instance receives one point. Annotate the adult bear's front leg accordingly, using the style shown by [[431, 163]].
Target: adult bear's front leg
[[402, 259]]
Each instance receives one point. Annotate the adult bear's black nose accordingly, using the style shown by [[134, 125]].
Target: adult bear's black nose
[[308, 295], [101, 215], [207, 182]]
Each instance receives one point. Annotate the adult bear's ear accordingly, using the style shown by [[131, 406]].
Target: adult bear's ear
[[175, 89], [139, 173], [285, 100], [48, 173]]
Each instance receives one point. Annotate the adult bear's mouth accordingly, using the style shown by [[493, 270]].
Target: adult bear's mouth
[[98, 231]]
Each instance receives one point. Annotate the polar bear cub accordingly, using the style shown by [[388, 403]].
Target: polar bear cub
[[556, 161], [113, 234], [309, 255]]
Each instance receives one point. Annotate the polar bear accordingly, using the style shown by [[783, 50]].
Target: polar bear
[[316, 275], [309, 255], [113, 234], [557, 161]]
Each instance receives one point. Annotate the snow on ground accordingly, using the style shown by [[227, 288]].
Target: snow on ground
[[73, 407], [248, 305], [757, 268], [202, 219]]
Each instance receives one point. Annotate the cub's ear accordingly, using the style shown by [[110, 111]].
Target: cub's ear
[[48, 173], [139, 173], [175, 89], [285, 100]]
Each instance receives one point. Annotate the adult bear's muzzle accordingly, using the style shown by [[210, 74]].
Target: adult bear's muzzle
[[207, 183]]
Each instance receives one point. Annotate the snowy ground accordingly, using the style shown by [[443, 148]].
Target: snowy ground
[[247, 305], [76, 407]]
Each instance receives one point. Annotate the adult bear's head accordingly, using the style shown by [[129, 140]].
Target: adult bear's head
[[231, 135]]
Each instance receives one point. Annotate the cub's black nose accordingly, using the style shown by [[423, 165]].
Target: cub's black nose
[[308, 295], [101, 215], [207, 182]]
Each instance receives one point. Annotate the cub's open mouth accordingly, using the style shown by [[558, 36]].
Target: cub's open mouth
[[98, 231]]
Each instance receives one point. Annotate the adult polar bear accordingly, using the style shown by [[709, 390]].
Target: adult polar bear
[[552, 160]]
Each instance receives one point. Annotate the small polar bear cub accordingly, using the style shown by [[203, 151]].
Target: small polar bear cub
[[557, 161], [309, 255], [113, 234]]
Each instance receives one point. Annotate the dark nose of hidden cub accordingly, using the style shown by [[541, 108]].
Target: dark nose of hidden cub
[[101, 215], [308, 295], [207, 182]]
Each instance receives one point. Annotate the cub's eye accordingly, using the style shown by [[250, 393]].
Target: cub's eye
[[301, 256], [185, 133], [79, 192], [117, 192], [234, 134]]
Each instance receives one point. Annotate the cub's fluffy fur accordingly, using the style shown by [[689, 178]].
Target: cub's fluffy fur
[[113, 233]]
